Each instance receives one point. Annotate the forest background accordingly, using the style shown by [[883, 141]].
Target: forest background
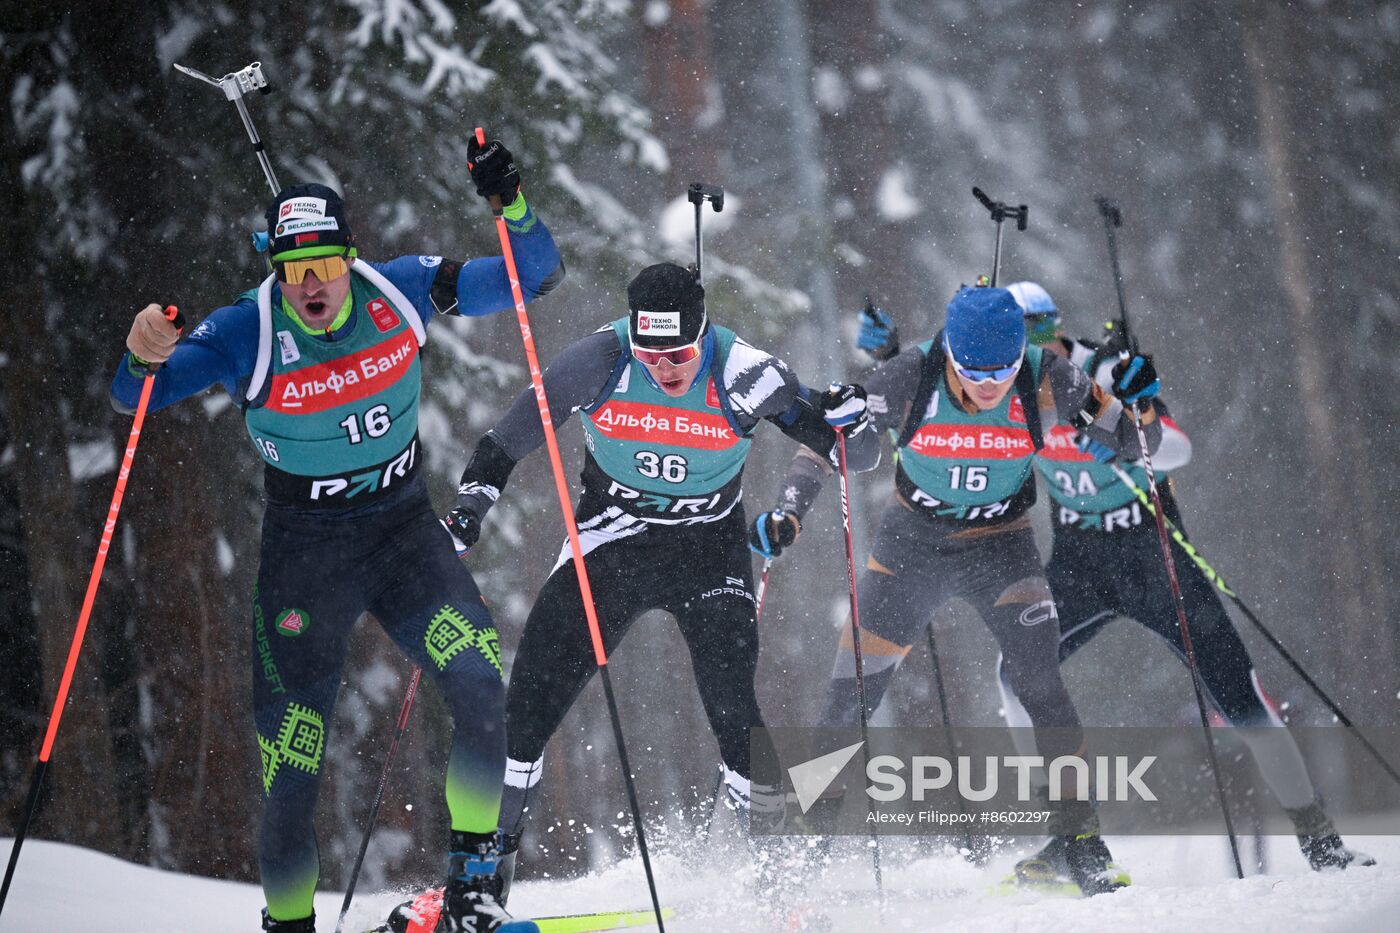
[[1248, 143]]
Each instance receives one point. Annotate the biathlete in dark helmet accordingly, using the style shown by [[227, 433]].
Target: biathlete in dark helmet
[[1106, 562], [969, 409], [669, 402], [324, 359]]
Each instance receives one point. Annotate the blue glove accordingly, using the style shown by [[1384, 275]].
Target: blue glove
[[878, 335], [1099, 451], [1135, 379], [773, 531]]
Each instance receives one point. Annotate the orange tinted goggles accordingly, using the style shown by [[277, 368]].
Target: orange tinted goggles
[[326, 268], [676, 356]]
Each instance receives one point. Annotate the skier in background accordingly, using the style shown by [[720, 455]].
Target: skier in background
[[1107, 562], [323, 358], [967, 408], [669, 402]]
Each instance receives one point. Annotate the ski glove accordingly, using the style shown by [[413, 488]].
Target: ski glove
[[878, 334], [153, 336], [843, 407], [464, 526], [773, 531], [1135, 379], [1100, 451], [493, 170]]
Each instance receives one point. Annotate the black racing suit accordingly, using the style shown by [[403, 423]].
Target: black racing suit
[[972, 541], [1107, 562], [627, 531]]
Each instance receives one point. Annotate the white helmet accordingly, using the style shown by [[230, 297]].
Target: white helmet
[[1032, 298]]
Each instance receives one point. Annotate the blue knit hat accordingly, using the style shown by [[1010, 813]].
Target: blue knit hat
[[986, 328]]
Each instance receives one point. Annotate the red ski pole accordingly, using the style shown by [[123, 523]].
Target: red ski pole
[[108, 527], [855, 641], [561, 486]]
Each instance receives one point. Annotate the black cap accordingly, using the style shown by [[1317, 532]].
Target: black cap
[[307, 220], [665, 306]]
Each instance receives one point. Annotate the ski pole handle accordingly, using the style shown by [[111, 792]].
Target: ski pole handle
[[869, 310], [173, 315], [493, 200]]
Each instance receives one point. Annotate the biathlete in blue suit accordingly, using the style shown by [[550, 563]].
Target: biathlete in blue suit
[[324, 358]]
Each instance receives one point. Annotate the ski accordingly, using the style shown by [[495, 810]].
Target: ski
[[1050, 885], [422, 912]]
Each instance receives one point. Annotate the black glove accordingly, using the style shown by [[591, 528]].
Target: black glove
[[493, 170], [773, 531], [1135, 379], [843, 406], [464, 525]]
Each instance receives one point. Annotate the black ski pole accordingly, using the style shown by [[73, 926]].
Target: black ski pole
[[75, 647], [1112, 220], [399, 729], [978, 848], [1219, 581], [698, 193], [1170, 564], [1001, 211], [855, 640]]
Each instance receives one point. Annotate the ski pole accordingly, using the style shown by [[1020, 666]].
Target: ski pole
[[1001, 211], [1113, 219], [1177, 599], [978, 849], [561, 486], [399, 729], [1214, 576], [235, 85], [698, 193], [855, 640], [31, 803], [762, 588]]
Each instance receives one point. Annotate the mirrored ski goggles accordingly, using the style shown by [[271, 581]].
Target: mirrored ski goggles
[[995, 374], [292, 271], [1042, 328], [676, 356]]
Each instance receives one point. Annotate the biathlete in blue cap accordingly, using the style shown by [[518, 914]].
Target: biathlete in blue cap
[[969, 410]]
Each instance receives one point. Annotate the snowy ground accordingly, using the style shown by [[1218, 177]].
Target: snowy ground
[[1180, 884]]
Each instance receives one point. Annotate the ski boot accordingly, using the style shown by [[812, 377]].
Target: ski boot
[[304, 925], [1091, 865], [1318, 839], [1047, 867], [471, 901]]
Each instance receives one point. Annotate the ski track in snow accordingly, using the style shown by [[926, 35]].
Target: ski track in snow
[[1180, 884]]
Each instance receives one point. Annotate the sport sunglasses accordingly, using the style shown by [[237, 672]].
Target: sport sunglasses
[[292, 271], [676, 356], [995, 374]]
